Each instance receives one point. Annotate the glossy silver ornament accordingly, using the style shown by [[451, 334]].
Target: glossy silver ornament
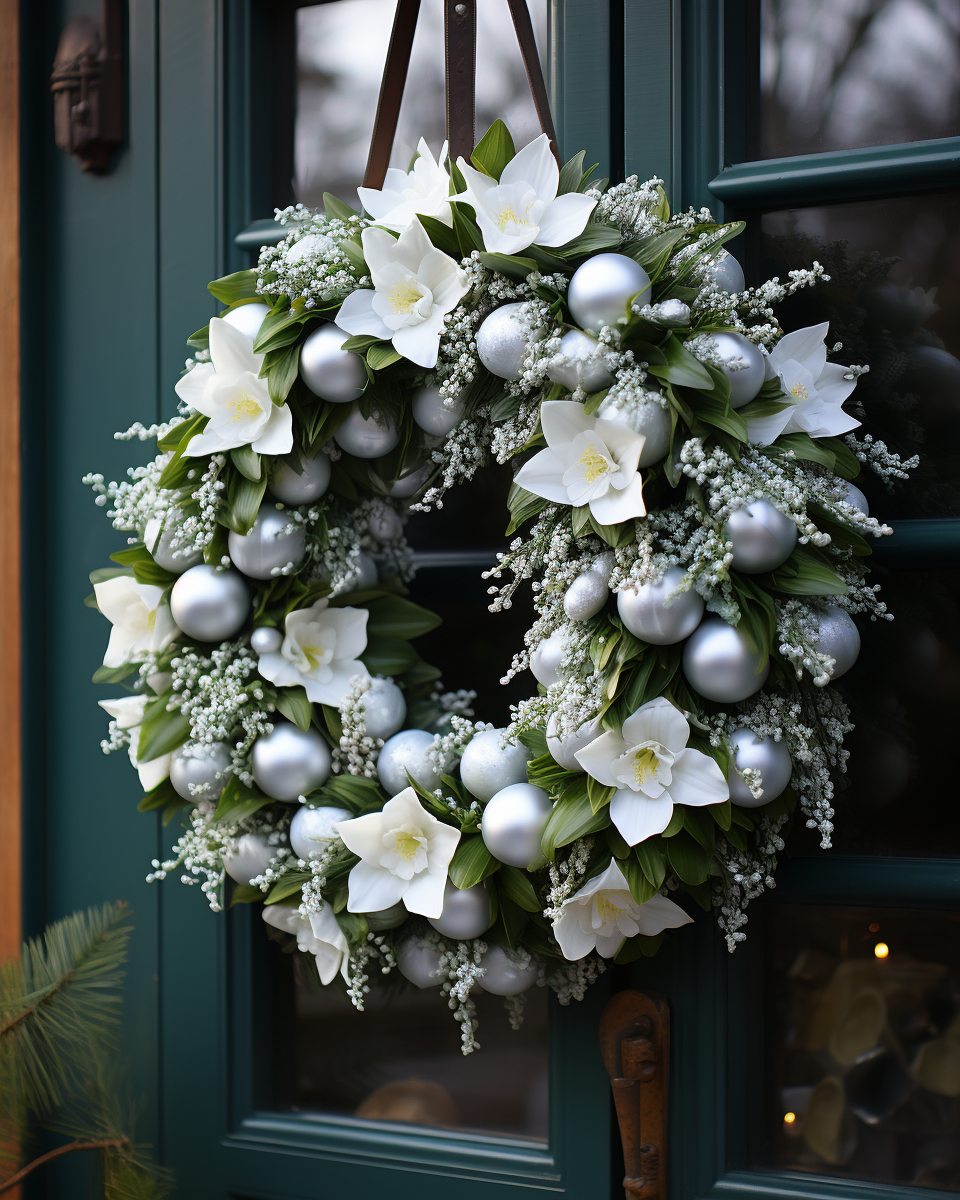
[[586, 596], [856, 499], [384, 708], [247, 318], [328, 371], [387, 918], [289, 762], [312, 828], [503, 976], [766, 755], [466, 913], [305, 486], [583, 366], [366, 437], [513, 823], [502, 341], [545, 660], [644, 613], [159, 537], [266, 640], [419, 962], [410, 484], [727, 273], [210, 605], [407, 751], [651, 419], [743, 364], [363, 575], [602, 287], [273, 542], [487, 767], [252, 857], [840, 638], [432, 415], [721, 664], [199, 764], [762, 537], [564, 749], [385, 524]]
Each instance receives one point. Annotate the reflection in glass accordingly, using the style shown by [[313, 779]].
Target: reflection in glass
[[863, 1044], [341, 48], [837, 74]]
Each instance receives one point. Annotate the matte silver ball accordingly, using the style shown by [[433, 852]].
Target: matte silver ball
[[466, 912], [247, 318], [312, 828], [840, 638], [210, 605], [762, 537], [266, 640], [720, 663], [410, 484], [513, 823], [387, 918], [385, 524], [856, 499], [407, 751], [366, 437], [158, 539], [766, 755], [651, 419], [502, 341], [586, 596], [364, 574], [583, 367], [289, 762], [328, 371], [384, 709], [564, 749], [197, 765], [602, 287], [251, 858], [419, 962], [643, 611], [545, 660], [727, 273], [487, 767], [301, 487], [432, 415], [503, 976], [742, 363], [273, 542]]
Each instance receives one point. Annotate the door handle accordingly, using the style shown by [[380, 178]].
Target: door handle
[[635, 1044]]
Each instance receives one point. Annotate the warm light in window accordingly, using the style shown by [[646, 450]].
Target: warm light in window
[[874, 928], [789, 1118], [881, 950]]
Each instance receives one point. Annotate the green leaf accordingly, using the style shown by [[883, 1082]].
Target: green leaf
[[441, 235], [516, 884], [244, 497], [241, 285], [237, 802], [700, 826], [688, 858], [571, 174], [182, 433], [113, 674], [613, 535], [161, 796], [803, 574], [494, 150], [717, 412], [388, 656], [681, 367], [636, 947], [359, 343], [804, 447], [293, 703], [395, 617], [649, 857], [161, 731], [510, 265], [847, 464], [382, 355], [522, 505], [150, 573], [247, 462], [653, 253], [598, 794], [333, 206], [353, 791], [471, 862], [641, 889], [596, 236], [571, 818], [290, 884], [281, 367], [468, 235], [514, 920]]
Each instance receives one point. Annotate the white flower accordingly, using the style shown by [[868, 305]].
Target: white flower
[[404, 855], [320, 652], [231, 393], [652, 768], [406, 194], [415, 285], [588, 461], [524, 206], [319, 935], [603, 914], [817, 389], [140, 623], [127, 711]]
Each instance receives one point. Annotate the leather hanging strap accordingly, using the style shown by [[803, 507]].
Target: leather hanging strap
[[531, 64], [391, 92], [460, 41]]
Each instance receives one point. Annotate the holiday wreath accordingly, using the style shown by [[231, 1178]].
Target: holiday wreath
[[692, 539]]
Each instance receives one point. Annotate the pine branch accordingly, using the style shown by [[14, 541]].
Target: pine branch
[[58, 1153]]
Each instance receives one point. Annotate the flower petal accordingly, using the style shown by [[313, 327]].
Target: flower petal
[[657, 721], [535, 165], [597, 758], [659, 913], [356, 314], [373, 888], [573, 939], [697, 780], [154, 772], [424, 893], [191, 387], [804, 345], [832, 386], [232, 350], [419, 344], [562, 420], [638, 817], [565, 219], [763, 431], [497, 240], [543, 476], [622, 505], [277, 437]]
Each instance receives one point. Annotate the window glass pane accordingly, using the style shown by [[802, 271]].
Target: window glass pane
[[863, 1044], [341, 49], [837, 74], [893, 300]]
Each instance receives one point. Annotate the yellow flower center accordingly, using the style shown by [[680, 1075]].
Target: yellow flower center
[[505, 216], [245, 406], [408, 845], [606, 909], [315, 655], [595, 463], [403, 297], [800, 392], [644, 765]]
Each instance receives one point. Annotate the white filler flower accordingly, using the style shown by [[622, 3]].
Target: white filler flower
[[231, 393], [320, 652], [816, 388], [141, 624], [415, 285], [652, 768], [127, 711], [588, 461], [404, 855], [524, 207], [319, 935], [425, 189], [603, 914]]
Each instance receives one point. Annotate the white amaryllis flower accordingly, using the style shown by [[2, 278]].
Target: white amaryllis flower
[[424, 189], [141, 624], [320, 652], [652, 768], [319, 935], [588, 461], [404, 855], [816, 388], [231, 393], [524, 207], [415, 285], [603, 914], [127, 711]]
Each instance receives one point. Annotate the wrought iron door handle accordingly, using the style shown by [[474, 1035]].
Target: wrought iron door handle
[[635, 1044]]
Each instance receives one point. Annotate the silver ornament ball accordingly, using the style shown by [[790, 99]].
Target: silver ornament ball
[[645, 614], [503, 976], [721, 664], [159, 539], [210, 605], [762, 537], [303, 486], [651, 419], [564, 749], [727, 273], [366, 437], [545, 660], [586, 596], [387, 918], [419, 962], [289, 762], [583, 368], [266, 640], [384, 709], [247, 318], [432, 415], [196, 766], [251, 858], [513, 823], [407, 751], [312, 828], [410, 484], [602, 287], [856, 499], [273, 542], [466, 912], [385, 524], [502, 341], [487, 767], [840, 638], [742, 363], [328, 371], [766, 755]]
